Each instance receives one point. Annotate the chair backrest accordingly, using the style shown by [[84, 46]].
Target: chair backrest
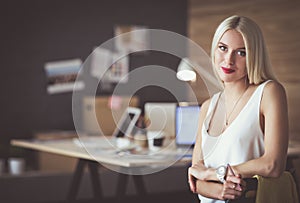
[[270, 190], [277, 190]]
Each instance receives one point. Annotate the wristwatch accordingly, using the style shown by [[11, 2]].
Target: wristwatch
[[221, 172]]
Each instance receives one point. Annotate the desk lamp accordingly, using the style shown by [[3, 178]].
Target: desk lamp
[[185, 71]]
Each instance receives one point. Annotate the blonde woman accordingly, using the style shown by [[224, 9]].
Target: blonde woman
[[245, 125]]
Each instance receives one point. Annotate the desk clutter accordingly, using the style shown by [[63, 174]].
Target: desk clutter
[[152, 136], [106, 110], [120, 117], [120, 121], [129, 146], [152, 141]]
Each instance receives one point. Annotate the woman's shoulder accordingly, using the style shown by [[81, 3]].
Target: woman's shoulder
[[274, 95], [204, 108], [274, 89], [205, 105]]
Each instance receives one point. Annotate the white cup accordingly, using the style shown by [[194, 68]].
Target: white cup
[[122, 142], [155, 140], [16, 166], [2, 166], [141, 140]]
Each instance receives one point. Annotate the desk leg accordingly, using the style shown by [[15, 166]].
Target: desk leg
[[123, 182], [139, 185], [94, 175], [75, 183]]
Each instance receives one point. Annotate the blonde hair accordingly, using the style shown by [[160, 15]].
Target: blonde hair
[[258, 64]]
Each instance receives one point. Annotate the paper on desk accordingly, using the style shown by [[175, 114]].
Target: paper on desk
[[92, 142]]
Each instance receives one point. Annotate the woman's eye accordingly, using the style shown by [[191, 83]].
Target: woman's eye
[[241, 53], [222, 48]]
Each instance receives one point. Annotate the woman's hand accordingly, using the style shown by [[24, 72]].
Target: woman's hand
[[198, 172], [192, 182], [233, 187]]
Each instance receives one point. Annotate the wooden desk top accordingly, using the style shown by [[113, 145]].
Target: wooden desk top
[[97, 150], [101, 151]]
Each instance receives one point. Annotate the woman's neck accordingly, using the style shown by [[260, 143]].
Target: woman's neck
[[236, 88]]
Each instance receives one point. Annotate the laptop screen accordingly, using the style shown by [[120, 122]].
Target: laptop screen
[[186, 124]]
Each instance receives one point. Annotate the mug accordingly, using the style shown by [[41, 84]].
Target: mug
[[155, 140], [16, 166]]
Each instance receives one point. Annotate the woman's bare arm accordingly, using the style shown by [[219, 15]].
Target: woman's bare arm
[[201, 177], [275, 116]]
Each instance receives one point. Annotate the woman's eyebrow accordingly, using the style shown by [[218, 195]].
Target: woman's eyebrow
[[227, 45], [223, 43]]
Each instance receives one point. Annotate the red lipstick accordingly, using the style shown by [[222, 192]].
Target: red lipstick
[[227, 70]]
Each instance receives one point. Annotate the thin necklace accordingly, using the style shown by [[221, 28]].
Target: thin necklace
[[227, 117]]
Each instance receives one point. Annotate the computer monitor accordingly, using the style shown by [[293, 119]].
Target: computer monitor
[[161, 116], [186, 123]]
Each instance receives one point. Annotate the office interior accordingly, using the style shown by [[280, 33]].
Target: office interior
[[36, 32]]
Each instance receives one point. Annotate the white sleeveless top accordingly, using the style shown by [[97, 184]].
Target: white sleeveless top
[[243, 139]]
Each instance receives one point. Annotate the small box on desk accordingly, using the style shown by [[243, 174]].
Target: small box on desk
[[55, 135], [48, 162]]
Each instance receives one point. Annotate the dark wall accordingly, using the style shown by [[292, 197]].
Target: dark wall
[[35, 32]]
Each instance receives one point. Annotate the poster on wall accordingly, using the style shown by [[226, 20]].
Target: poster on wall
[[61, 76], [133, 41], [102, 66]]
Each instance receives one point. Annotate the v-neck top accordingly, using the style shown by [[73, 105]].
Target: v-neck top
[[241, 141]]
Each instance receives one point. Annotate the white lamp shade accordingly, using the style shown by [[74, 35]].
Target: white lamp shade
[[185, 71]]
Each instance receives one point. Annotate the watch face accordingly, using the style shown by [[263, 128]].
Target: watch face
[[221, 170]]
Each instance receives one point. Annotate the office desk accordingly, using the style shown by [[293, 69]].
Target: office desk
[[67, 147], [107, 155]]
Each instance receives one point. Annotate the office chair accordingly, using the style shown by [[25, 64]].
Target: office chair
[[270, 190]]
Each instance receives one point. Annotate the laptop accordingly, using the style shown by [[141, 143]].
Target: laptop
[[123, 129], [186, 125], [127, 122]]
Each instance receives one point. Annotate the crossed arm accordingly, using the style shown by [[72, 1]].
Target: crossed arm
[[203, 180]]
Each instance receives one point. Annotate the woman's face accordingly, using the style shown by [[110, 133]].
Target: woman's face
[[230, 57]]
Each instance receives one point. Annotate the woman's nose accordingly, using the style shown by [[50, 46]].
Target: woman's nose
[[230, 59]]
